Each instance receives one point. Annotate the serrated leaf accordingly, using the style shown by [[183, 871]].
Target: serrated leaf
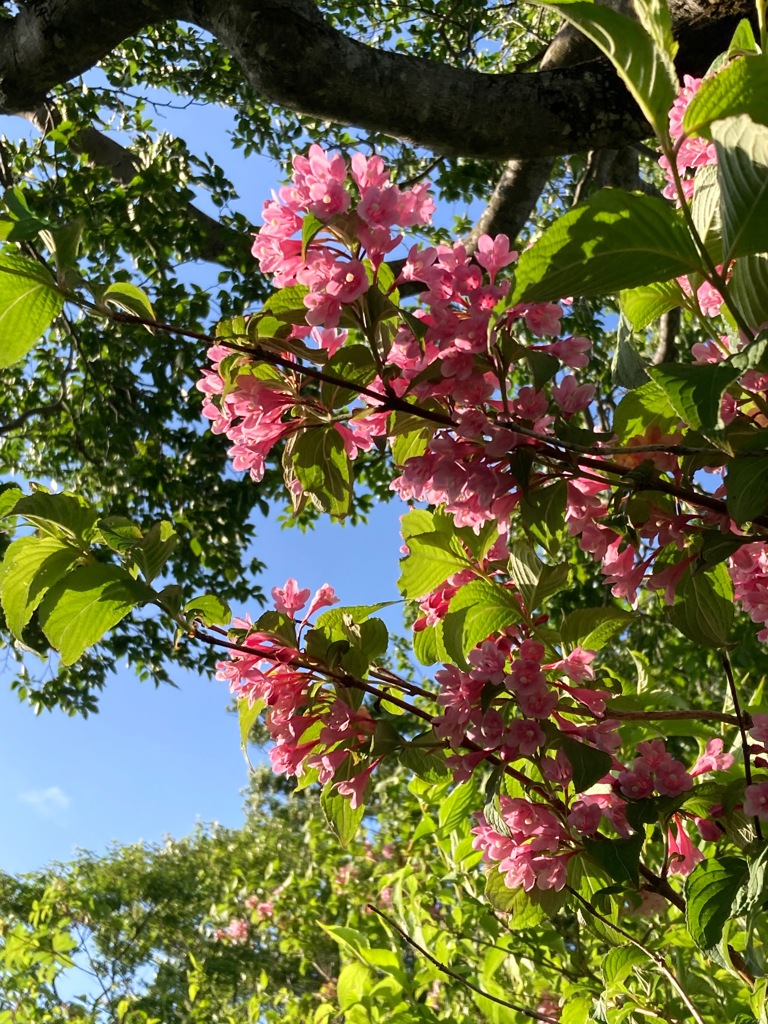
[[747, 483], [428, 646], [749, 288], [641, 306], [615, 240], [432, 558], [710, 892], [29, 303], [58, 514], [156, 547], [478, 610], [82, 606], [526, 909], [705, 209], [695, 392], [322, 468], [703, 609], [620, 962], [641, 53], [589, 764], [741, 87], [542, 510], [288, 304], [455, 811], [592, 628], [354, 364], [119, 533], [247, 714], [30, 567], [341, 817], [639, 410], [627, 368], [211, 609], [620, 858], [430, 767], [742, 166]]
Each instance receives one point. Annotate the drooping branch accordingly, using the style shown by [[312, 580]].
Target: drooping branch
[[293, 56]]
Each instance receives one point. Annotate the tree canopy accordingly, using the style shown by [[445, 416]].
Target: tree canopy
[[574, 737]]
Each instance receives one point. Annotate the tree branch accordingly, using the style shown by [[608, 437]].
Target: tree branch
[[293, 56]]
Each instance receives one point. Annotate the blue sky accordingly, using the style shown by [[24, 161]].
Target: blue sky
[[153, 762]]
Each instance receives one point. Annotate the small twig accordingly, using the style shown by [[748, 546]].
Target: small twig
[[726, 663], [531, 1014], [656, 958]]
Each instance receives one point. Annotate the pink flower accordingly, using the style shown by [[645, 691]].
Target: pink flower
[[756, 801], [322, 598], [572, 397], [713, 759], [683, 855], [288, 598], [494, 253]]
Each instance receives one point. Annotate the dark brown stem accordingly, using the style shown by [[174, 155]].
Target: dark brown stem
[[531, 1014], [726, 663]]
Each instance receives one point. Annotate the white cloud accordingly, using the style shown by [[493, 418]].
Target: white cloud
[[47, 802]]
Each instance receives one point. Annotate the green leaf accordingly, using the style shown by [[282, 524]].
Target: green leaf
[[428, 646], [247, 714], [616, 240], [155, 549], [535, 580], [210, 609], [743, 42], [703, 609], [710, 893], [432, 558], [742, 167], [620, 962], [120, 533], [741, 87], [526, 909], [753, 895], [639, 410], [20, 224], [455, 812], [79, 609], [747, 484], [322, 468], [628, 368], [129, 297], [342, 819], [695, 392], [749, 288], [288, 304], [592, 628], [61, 515], [30, 567], [542, 510], [589, 764], [705, 210], [430, 767], [29, 303], [310, 227], [479, 609], [620, 858], [354, 364], [641, 52], [641, 306]]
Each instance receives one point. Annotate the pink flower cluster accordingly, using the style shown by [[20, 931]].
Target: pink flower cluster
[[510, 703]]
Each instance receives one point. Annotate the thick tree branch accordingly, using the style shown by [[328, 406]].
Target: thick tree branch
[[293, 56]]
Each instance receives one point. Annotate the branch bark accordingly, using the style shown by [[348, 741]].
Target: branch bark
[[293, 56]]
